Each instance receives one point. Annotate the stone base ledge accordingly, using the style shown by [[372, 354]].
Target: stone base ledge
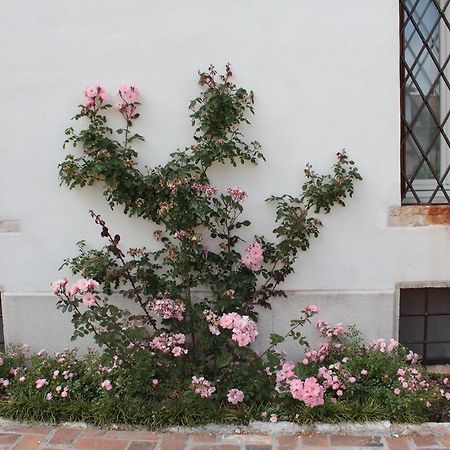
[[418, 215]]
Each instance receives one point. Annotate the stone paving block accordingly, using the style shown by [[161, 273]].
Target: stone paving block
[[64, 436]]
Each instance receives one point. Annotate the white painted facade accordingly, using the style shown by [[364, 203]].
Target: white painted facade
[[325, 76]]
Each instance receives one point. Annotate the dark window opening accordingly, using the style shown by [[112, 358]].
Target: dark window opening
[[424, 324]]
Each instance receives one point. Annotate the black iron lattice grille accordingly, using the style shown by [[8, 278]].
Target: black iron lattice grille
[[425, 101]]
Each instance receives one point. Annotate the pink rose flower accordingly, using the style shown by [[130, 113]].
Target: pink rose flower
[[59, 285], [235, 396], [88, 299], [106, 385], [41, 382], [128, 93], [312, 309]]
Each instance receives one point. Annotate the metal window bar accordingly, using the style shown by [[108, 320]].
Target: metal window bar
[[425, 91]]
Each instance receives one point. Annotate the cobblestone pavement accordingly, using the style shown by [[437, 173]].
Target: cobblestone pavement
[[30, 437]]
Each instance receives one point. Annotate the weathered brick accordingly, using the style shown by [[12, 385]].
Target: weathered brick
[[93, 432], [288, 442], [400, 443], [342, 440], [29, 442], [318, 440], [142, 445], [216, 447], [174, 441], [424, 441], [205, 438], [98, 443], [64, 436], [133, 435], [34, 429], [8, 438]]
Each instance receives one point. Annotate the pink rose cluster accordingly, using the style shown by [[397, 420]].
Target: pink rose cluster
[[168, 308], [83, 286], [235, 396], [213, 320], [59, 285], [236, 193], [169, 343], [311, 310], [95, 95], [412, 357], [127, 103], [332, 379], [243, 328], [204, 189], [310, 392], [253, 256], [180, 234], [106, 385], [202, 387], [410, 379], [382, 346], [318, 355], [328, 331]]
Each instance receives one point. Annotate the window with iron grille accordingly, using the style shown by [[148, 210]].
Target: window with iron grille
[[425, 323], [425, 101]]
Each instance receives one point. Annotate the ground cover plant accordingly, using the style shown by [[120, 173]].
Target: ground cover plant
[[186, 358]]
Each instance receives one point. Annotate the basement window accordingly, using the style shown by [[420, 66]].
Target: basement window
[[425, 323]]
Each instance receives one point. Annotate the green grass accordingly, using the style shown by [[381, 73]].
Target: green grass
[[181, 412]]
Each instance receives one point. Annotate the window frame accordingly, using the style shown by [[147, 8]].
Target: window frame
[[427, 287], [422, 191]]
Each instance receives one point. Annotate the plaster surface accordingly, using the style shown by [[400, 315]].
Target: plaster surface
[[325, 76]]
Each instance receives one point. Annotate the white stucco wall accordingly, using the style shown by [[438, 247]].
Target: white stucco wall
[[325, 76]]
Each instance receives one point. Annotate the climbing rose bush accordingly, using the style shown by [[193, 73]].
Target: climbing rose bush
[[184, 355], [199, 291]]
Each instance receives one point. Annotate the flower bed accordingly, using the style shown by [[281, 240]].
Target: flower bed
[[339, 381]]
